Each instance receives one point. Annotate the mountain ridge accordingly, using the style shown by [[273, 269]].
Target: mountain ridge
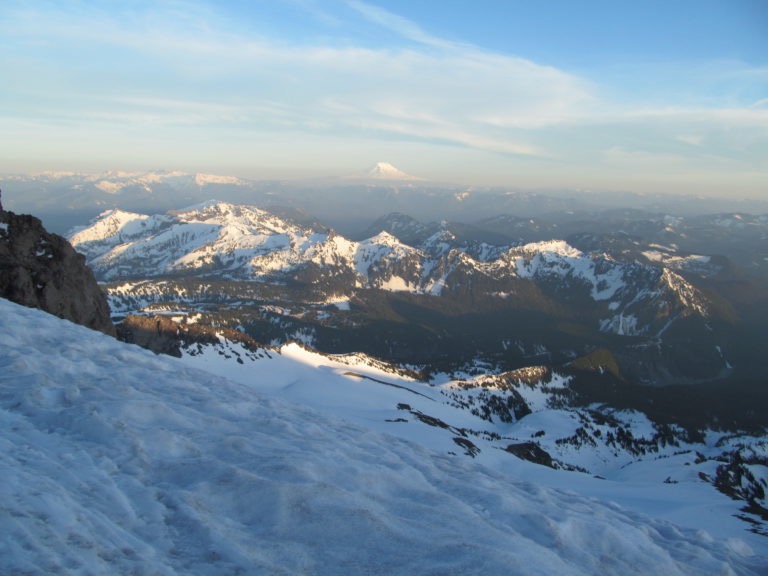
[[237, 224], [118, 449], [63, 200], [250, 243], [643, 305]]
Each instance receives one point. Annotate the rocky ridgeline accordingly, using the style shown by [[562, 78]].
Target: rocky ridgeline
[[42, 270]]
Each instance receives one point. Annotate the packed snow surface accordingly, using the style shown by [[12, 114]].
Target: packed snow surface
[[118, 461]]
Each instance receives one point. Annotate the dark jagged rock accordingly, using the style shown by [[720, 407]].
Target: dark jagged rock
[[162, 335], [735, 478], [532, 452], [469, 447], [42, 270]]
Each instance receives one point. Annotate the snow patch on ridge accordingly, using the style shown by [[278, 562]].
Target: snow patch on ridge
[[201, 179], [108, 224], [558, 259]]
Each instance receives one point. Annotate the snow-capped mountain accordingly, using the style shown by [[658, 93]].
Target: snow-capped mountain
[[234, 242], [175, 257], [190, 500], [644, 298], [406, 228], [117, 182], [65, 199], [386, 171], [217, 236], [116, 460], [247, 243]]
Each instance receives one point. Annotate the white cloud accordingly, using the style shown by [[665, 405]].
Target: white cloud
[[167, 69], [398, 24], [447, 92], [690, 139]]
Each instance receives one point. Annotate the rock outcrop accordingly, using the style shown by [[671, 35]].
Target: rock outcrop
[[162, 335], [42, 270]]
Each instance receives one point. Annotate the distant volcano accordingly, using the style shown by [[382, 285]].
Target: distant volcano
[[386, 171]]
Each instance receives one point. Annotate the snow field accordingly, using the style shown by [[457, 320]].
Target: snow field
[[117, 461]]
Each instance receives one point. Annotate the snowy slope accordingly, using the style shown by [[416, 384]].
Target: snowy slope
[[117, 461], [602, 451]]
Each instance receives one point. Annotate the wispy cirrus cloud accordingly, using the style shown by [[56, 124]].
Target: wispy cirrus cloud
[[456, 92], [187, 69], [399, 25]]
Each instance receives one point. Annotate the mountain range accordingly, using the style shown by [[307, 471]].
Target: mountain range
[[623, 315], [601, 366], [348, 203]]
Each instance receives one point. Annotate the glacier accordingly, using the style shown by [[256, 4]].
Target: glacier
[[118, 461]]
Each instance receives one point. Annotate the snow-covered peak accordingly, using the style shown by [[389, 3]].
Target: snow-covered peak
[[115, 180], [442, 235], [160, 176], [386, 171], [209, 204], [383, 238], [441, 242], [227, 237], [109, 186], [116, 175], [550, 247], [227, 214], [214, 210], [202, 179], [109, 223]]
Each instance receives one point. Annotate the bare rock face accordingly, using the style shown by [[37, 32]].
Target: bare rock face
[[42, 270]]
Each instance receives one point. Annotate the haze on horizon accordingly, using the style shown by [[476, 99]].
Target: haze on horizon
[[646, 97]]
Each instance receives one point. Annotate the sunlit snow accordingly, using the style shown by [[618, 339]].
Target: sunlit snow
[[118, 461]]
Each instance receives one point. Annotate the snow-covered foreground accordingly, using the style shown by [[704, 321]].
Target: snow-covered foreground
[[117, 461]]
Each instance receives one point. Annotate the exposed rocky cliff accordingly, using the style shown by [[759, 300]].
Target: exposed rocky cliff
[[42, 270]]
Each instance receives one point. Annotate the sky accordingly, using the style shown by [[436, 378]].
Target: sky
[[645, 96]]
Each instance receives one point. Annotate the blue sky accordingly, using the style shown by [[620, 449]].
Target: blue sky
[[647, 96]]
